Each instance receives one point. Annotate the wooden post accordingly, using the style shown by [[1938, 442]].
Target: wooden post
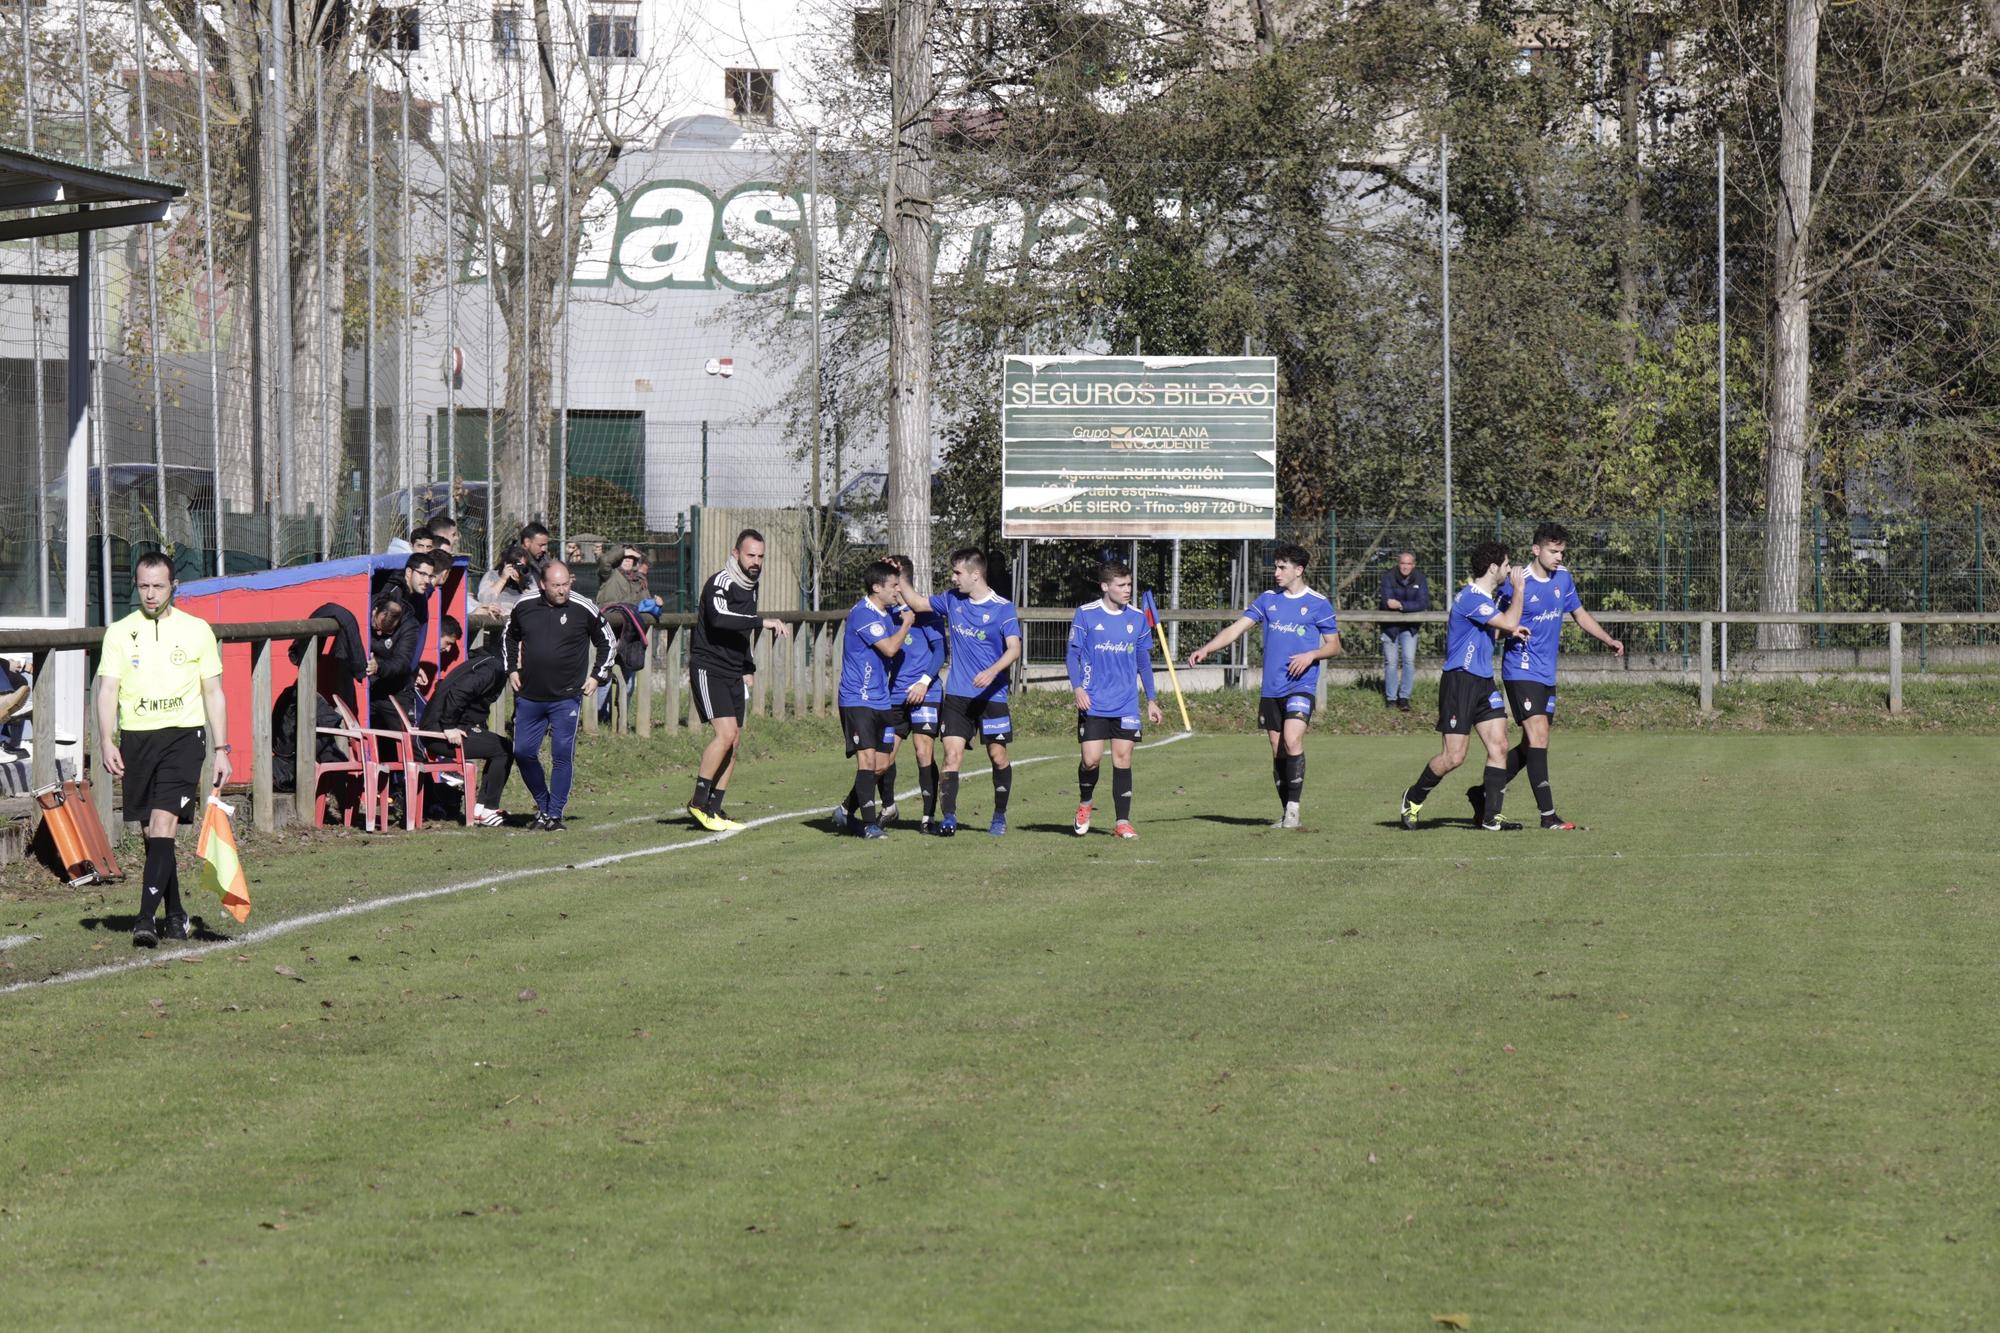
[[263, 812], [675, 671], [42, 699], [642, 697], [1895, 667], [822, 645], [801, 686], [304, 789], [589, 711], [1707, 666]]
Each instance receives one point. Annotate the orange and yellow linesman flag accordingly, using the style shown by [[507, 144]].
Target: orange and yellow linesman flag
[[221, 869]]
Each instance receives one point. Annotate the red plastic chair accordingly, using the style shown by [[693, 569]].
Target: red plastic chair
[[363, 762], [416, 764]]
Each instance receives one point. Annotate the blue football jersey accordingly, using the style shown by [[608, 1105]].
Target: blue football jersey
[[922, 655], [1544, 604], [978, 633], [1291, 625], [864, 672], [1468, 644], [1111, 655]]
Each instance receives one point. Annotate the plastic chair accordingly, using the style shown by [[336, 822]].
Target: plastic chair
[[416, 764], [363, 762]]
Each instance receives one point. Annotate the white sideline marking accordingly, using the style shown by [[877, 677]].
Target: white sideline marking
[[296, 923], [9, 941]]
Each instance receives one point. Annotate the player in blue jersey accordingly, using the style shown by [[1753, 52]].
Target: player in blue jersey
[[874, 633], [916, 692], [983, 635], [1528, 667], [1468, 700], [1300, 631], [1110, 659]]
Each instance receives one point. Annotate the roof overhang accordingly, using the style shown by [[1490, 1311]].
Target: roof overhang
[[96, 197]]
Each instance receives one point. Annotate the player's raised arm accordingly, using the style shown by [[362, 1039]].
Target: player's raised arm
[[891, 644], [1230, 634], [1507, 618]]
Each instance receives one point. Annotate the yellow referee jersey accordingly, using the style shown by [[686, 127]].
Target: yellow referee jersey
[[159, 666]]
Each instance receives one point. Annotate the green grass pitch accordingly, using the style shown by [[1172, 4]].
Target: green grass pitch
[[1724, 1059]]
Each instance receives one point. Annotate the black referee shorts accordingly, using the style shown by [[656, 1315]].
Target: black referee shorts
[[163, 771]]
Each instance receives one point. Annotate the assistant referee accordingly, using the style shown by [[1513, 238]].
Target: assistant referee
[[159, 678]]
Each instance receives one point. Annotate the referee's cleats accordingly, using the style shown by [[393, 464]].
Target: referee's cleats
[[1499, 825], [174, 928], [144, 934], [873, 831], [998, 826], [1475, 795], [948, 826], [1411, 809]]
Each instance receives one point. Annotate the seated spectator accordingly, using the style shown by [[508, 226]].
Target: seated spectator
[[392, 651], [460, 708], [14, 693], [451, 638]]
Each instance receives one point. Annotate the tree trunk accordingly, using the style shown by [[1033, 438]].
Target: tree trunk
[[1791, 364], [909, 212], [1631, 67]]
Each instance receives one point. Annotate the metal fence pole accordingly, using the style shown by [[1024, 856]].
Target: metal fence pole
[[1924, 588], [1444, 251], [451, 353], [486, 358], [370, 540], [567, 272], [406, 350], [141, 61], [213, 296], [1979, 569], [43, 540], [332, 379], [1662, 602], [1819, 565], [1722, 383], [1895, 666]]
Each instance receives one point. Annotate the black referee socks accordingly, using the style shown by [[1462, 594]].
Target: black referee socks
[[160, 880]]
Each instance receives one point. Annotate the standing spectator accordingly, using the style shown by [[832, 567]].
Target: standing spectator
[[444, 531], [507, 582], [1404, 590], [621, 583], [14, 679], [159, 683], [412, 586], [535, 540], [720, 667], [551, 640], [459, 709]]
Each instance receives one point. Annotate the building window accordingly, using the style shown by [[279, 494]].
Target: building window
[[613, 36], [510, 33], [871, 39], [393, 29], [752, 94]]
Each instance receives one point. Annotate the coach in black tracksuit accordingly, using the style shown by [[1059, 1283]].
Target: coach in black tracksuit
[[459, 709], [720, 665], [550, 640]]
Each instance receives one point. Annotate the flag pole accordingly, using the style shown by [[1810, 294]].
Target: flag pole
[[1173, 677]]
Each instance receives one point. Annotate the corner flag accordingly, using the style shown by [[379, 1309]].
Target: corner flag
[[1159, 632], [221, 870]]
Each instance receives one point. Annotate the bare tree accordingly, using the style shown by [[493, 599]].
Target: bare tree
[[909, 212], [1791, 329]]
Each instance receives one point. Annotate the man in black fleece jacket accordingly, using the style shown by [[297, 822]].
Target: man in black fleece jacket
[[459, 709], [551, 638]]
